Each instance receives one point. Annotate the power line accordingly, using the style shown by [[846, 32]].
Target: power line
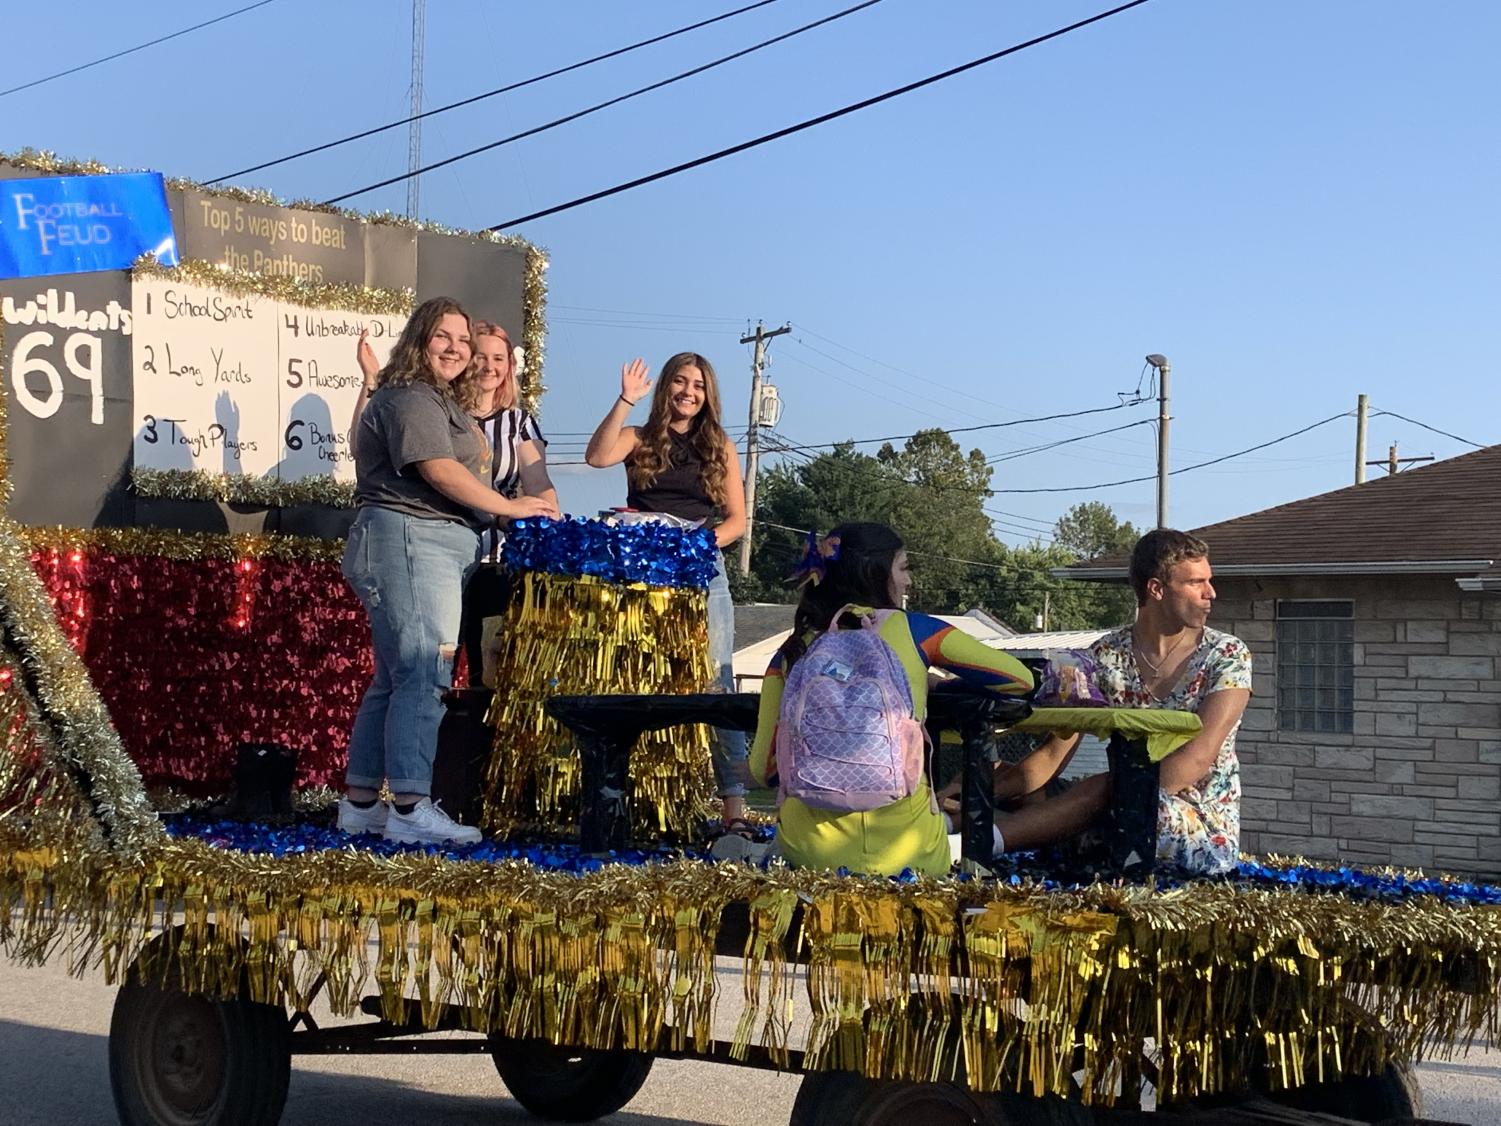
[[1038, 527], [910, 551], [490, 93], [971, 429], [1186, 468], [1005, 526], [1434, 429], [552, 305], [1014, 454], [606, 104], [864, 388], [901, 387], [1136, 395], [812, 121], [133, 50]]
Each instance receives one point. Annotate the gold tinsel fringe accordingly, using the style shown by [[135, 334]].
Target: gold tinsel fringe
[[293, 291], [160, 543], [240, 488], [1016, 988], [567, 636]]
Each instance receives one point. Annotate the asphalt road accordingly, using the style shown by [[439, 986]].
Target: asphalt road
[[54, 1069]]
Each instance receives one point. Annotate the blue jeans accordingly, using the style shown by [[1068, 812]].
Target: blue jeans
[[410, 574], [729, 752]]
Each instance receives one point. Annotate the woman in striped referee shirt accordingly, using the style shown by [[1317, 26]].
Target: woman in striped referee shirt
[[520, 465]]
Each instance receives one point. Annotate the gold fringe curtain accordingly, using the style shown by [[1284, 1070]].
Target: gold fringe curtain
[[566, 636], [1018, 987]]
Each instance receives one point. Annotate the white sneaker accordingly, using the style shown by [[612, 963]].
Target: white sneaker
[[732, 846], [428, 824], [353, 819]]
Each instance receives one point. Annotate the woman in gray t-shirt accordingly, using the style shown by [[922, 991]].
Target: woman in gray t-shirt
[[422, 472]]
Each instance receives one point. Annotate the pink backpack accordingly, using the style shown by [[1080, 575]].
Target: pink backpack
[[847, 739]]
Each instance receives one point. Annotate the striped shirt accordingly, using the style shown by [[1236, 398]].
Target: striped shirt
[[506, 430]]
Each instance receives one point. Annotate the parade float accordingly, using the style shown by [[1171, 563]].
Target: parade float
[[149, 669]]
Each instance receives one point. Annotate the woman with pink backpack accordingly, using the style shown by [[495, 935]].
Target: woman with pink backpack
[[840, 730]]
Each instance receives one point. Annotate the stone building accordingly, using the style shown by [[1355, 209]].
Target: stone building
[[1374, 616]]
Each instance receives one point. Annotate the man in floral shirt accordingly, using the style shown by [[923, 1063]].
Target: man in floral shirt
[[1170, 658]]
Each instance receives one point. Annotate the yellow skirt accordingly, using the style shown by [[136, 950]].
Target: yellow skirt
[[904, 834]]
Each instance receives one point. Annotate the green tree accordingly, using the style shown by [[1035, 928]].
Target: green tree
[[1091, 530], [930, 491]]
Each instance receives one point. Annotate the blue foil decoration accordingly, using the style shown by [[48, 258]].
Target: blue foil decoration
[[317, 836], [652, 553], [320, 836]]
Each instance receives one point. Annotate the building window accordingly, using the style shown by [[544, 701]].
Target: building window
[[1316, 665]]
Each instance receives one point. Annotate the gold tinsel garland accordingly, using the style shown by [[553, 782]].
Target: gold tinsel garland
[[370, 300], [66, 722], [164, 543], [240, 488], [565, 636], [534, 282], [1234, 985]]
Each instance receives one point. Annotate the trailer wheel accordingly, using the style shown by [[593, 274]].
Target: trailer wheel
[[184, 1059], [568, 1084], [1050, 1110], [1394, 1093], [849, 1099]]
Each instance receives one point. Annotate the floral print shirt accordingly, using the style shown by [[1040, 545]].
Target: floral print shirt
[[1199, 829]]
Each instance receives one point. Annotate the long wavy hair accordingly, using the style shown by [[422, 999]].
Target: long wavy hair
[[705, 434], [860, 575], [408, 362], [511, 394]]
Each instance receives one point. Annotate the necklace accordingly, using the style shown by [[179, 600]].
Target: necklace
[[1155, 667]]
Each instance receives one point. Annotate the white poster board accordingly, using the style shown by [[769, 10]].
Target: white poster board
[[204, 372], [246, 384], [318, 382]]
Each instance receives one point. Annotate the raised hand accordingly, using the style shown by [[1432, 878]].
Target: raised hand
[[365, 355], [227, 414], [635, 384]]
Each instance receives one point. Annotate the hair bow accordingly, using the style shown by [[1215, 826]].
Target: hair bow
[[818, 553]]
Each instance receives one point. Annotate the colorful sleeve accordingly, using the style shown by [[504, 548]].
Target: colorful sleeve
[[1229, 666], [763, 755], [972, 661]]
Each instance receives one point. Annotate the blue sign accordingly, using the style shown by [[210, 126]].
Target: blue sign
[[77, 224]]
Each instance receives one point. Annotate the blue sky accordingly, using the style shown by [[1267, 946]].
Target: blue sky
[[1295, 202]]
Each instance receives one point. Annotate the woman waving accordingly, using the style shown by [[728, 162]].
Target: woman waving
[[681, 463]]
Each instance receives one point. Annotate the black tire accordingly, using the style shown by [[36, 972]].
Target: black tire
[[847, 1099], [1394, 1093], [1025, 1110], [564, 1084], [184, 1059]]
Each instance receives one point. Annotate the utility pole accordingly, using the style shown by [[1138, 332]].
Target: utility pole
[[414, 128], [1362, 414], [753, 434], [1393, 462], [1164, 370]]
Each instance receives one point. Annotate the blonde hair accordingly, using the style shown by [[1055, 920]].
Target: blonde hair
[[490, 328], [705, 434], [408, 362]]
